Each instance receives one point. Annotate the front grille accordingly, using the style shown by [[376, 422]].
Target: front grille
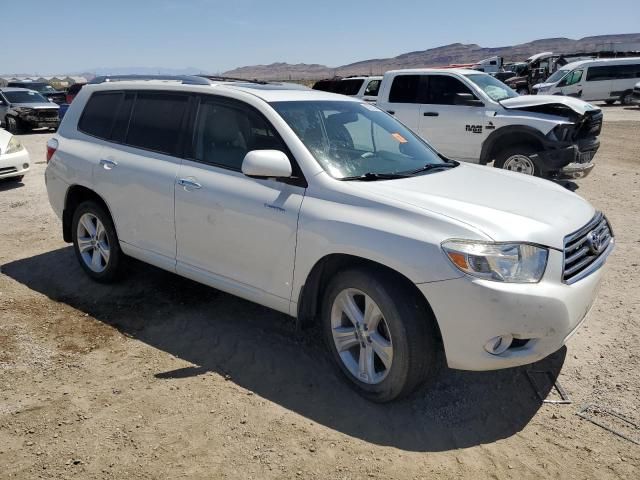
[[48, 114], [591, 126], [586, 249], [8, 170]]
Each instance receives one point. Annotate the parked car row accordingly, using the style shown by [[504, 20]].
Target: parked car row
[[328, 209]]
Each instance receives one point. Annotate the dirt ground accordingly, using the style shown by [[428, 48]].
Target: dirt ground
[[158, 377]]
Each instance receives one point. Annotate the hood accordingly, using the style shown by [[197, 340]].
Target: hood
[[505, 206], [525, 101], [38, 106]]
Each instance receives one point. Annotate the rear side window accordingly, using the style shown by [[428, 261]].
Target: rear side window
[[99, 113], [407, 89], [350, 87], [155, 122]]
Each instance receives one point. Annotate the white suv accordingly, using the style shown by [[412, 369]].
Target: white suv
[[327, 209]]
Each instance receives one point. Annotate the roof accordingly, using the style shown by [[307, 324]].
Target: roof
[[269, 92], [459, 71], [579, 63]]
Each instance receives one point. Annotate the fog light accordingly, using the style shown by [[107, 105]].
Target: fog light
[[25, 165], [498, 345]]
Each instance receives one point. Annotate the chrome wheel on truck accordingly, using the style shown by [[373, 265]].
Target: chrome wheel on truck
[[361, 336]]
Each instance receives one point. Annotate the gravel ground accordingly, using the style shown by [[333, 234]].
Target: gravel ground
[[158, 377]]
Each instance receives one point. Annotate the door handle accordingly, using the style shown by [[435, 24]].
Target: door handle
[[108, 164], [431, 114], [189, 184]]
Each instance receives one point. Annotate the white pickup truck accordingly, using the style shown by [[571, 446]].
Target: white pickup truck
[[471, 116]]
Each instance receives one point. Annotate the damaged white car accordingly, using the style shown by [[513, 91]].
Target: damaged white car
[[473, 117]]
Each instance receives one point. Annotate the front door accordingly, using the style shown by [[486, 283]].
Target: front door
[[573, 84], [456, 130], [234, 232]]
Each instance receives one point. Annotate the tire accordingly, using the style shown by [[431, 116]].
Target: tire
[[610, 102], [101, 257], [518, 159], [16, 179], [522, 91], [405, 325], [13, 125], [626, 98]]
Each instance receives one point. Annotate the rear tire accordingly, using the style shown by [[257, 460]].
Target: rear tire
[[96, 243], [610, 102], [397, 336], [518, 159]]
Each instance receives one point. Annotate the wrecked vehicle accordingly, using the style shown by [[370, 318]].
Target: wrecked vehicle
[[22, 109], [473, 117]]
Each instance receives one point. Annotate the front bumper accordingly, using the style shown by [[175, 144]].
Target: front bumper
[[35, 121], [571, 162], [470, 312], [13, 164]]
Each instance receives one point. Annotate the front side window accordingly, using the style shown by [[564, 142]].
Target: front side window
[[25, 97], [352, 139], [156, 121], [224, 133], [372, 88], [574, 77], [556, 76], [494, 88], [443, 90]]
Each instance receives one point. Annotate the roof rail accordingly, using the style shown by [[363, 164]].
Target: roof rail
[[233, 79], [184, 79]]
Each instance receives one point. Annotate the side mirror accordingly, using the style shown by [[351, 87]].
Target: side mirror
[[466, 99], [266, 164]]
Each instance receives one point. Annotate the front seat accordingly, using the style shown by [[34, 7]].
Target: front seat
[[224, 140]]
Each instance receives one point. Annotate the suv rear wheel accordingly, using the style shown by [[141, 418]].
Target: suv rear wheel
[[96, 243], [517, 159], [380, 336]]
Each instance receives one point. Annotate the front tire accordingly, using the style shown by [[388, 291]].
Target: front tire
[[96, 243], [13, 125], [626, 98], [381, 336], [518, 159]]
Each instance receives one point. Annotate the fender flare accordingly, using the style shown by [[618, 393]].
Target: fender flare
[[511, 135]]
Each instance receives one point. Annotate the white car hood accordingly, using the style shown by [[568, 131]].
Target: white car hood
[[524, 101], [504, 206]]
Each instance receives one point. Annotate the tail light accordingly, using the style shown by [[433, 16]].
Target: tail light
[[52, 146]]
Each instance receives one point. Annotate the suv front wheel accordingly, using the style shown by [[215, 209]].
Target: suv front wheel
[[381, 337], [96, 243]]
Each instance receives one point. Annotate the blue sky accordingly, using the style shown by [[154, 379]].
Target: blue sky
[[48, 37]]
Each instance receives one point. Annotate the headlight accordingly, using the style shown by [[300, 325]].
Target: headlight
[[500, 262], [24, 109], [14, 145]]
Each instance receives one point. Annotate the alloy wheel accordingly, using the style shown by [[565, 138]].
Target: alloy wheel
[[93, 243], [361, 336]]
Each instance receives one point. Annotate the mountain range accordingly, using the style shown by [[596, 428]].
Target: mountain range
[[445, 55]]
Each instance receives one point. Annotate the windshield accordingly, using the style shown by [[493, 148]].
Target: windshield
[[352, 139], [25, 96], [494, 88], [557, 76]]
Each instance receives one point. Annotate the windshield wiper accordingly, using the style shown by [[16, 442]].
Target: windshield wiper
[[372, 176], [433, 166]]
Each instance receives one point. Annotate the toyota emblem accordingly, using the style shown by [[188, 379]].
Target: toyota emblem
[[595, 242]]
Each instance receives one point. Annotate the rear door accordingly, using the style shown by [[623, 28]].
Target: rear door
[[453, 128], [137, 168], [405, 95], [234, 232]]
